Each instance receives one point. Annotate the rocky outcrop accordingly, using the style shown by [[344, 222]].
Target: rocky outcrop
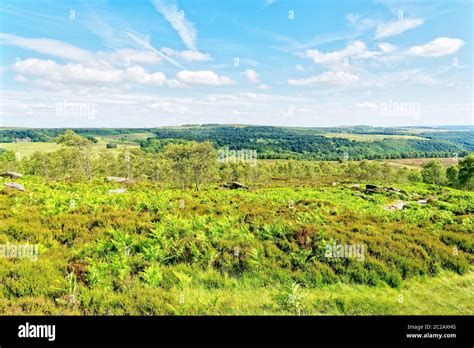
[[235, 185], [15, 186], [13, 175], [116, 179], [118, 191]]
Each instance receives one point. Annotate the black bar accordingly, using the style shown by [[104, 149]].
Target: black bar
[[290, 331]]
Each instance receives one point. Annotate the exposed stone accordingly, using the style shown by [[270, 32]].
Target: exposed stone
[[118, 191], [116, 179], [15, 186], [396, 206], [13, 175], [235, 185]]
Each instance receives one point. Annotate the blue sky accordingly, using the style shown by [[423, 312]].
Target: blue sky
[[149, 63]]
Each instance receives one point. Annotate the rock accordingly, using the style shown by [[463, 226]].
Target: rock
[[235, 185], [422, 201], [12, 175], [15, 186], [356, 186], [116, 179], [371, 187], [396, 206], [334, 183], [118, 191]]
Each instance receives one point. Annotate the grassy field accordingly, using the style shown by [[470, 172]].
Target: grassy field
[[418, 162], [370, 137], [26, 149], [158, 250]]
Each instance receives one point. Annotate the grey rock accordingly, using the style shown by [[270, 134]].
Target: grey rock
[[235, 185], [116, 179], [118, 191], [13, 175], [15, 186]]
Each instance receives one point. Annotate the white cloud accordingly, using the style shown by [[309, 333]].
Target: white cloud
[[269, 2], [366, 105], [439, 47], [63, 50], [252, 75], [299, 67], [352, 17], [127, 56], [145, 42], [386, 47], [397, 27], [328, 77], [176, 18], [204, 77], [139, 75], [48, 46], [187, 55], [20, 78], [354, 50], [51, 73]]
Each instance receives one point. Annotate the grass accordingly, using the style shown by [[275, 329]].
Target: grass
[[26, 149], [418, 162], [160, 250], [371, 137]]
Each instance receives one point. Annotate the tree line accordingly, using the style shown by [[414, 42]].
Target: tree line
[[190, 164]]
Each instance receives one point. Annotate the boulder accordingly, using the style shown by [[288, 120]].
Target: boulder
[[116, 179], [422, 201], [235, 185], [15, 186], [396, 206], [371, 187], [13, 175], [118, 191]]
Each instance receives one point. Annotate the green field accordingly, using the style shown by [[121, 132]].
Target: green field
[[189, 230], [26, 149], [156, 250], [371, 137]]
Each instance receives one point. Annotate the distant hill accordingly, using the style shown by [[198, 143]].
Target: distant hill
[[331, 143]]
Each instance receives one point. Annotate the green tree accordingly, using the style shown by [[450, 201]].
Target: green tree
[[433, 172], [452, 174], [466, 172], [75, 154], [8, 161], [192, 163], [70, 138]]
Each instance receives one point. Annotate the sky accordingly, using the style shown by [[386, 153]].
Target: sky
[[316, 63]]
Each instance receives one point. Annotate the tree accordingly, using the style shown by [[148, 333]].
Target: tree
[[8, 161], [192, 163], [111, 146], [452, 174], [433, 172], [466, 172], [75, 154], [69, 138]]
